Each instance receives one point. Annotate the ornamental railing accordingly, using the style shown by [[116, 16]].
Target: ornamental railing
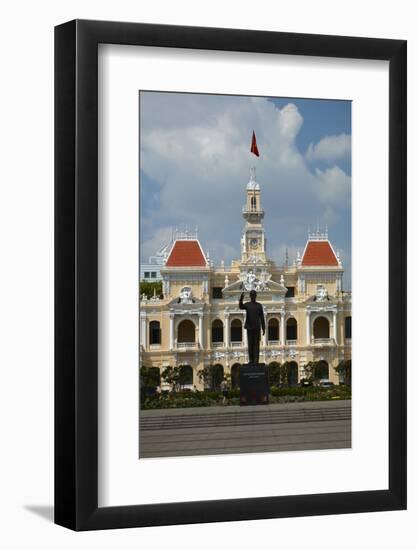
[[291, 342], [323, 341], [187, 345]]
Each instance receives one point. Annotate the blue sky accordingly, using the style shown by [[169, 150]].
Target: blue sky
[[195, 163]]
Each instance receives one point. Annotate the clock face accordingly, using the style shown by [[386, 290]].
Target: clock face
[[254, 243]]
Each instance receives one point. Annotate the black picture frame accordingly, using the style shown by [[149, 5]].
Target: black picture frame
[[76, 272]]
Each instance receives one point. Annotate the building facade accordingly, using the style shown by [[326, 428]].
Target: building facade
[[197, 323], [151, 272]]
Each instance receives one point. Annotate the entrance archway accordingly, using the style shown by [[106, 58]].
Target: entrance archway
[[292, 373], [274, 373], [186, 375], [321, 370], [217, 375]]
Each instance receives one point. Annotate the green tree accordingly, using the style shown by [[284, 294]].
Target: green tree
[[212, 375], [149, 377], [175, 376], [344, 370], [284, 372], [274, 374], [151, 288], [149, 380], [309, 370], [315, 370], [171, 375]]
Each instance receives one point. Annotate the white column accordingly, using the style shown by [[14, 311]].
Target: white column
[[171, 331], [335, 326], [226, 331], [308, 325], [282, 328], [200, 329], [143, 338]]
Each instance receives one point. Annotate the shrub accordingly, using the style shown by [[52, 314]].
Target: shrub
[[294, 394]]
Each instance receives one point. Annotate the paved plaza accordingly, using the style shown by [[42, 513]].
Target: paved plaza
[[234, 429]]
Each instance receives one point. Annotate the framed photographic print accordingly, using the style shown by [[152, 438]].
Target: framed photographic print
[[226, 201]]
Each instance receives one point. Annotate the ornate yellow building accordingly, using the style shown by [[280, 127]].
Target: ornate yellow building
[[197, 322]]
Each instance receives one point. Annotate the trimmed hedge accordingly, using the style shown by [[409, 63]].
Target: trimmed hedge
[[314, 392], [210, 398]]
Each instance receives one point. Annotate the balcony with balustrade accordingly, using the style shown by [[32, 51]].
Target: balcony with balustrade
[[187, 346], [273, 343], [236, 344], [322, 342], [217, 345], [291, 342]]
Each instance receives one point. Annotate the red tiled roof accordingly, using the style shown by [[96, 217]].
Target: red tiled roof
[[319, 253], [186, 254]]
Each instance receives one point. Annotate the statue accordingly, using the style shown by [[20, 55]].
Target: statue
[[250, 281], [321, 293], [186, 295], [254, 321]]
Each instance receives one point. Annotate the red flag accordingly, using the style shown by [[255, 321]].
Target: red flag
[[254, 147]]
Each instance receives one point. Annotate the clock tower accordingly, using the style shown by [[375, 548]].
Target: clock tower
[[253, 242]]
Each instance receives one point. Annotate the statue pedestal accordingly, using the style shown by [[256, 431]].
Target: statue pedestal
[[253, 383]]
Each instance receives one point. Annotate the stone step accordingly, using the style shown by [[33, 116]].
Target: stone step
[[256, 416]]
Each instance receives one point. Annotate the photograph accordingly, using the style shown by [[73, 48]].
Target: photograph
[[202, 195], [245, 302]]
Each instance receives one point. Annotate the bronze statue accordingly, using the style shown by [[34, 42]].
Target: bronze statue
[[254, 321]]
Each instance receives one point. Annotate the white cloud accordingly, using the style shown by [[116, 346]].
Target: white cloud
[[330, 149], [333, 186], [152, 244], [195, 152]]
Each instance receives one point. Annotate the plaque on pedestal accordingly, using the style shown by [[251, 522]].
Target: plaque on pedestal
[[253, 382]]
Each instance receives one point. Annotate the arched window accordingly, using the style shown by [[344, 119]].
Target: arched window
[[348, 327], [217, 331], [235, 375], [273, 330], [321, 328], [186, 331], [292, 329], [253, 203], [236, 330], [186, 375], [154, 333]]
